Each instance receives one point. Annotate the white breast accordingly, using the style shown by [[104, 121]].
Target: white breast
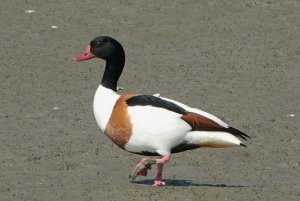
[[104, 102]]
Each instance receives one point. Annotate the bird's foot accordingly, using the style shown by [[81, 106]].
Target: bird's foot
[[142, 167], [158, 182]]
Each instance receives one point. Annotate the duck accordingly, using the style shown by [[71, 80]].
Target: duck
[[150, 125]]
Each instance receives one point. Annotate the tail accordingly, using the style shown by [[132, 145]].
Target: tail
[[238, 133], [213, 139], [243, 145]]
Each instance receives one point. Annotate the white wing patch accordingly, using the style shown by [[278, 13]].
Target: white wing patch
[[197, 111], [155, 129]]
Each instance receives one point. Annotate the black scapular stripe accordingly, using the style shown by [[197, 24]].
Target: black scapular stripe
[[144, 100]]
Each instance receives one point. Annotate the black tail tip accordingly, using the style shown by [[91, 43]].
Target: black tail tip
[[238, 133], [243, 145]]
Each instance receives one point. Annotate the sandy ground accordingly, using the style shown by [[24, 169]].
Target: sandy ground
[[236, 59]]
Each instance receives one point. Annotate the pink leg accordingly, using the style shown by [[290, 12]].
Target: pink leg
[[145, 164], [160, 165]]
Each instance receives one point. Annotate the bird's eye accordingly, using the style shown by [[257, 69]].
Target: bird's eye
[[98, 43]]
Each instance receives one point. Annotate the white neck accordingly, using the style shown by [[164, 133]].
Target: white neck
[[104, 102]]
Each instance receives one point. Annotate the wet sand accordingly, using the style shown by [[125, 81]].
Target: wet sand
[[238, 60]]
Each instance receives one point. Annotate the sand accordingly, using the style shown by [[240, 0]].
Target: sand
[[238, 60]]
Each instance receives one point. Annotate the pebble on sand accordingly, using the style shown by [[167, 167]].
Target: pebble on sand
[[29, 11]]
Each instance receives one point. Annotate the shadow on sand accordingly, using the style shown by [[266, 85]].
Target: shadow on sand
[[177, 182]]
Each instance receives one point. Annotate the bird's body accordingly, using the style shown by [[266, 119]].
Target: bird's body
[[150, 125]]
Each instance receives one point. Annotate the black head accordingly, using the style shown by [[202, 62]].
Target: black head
[[103, 47], [111, 50]]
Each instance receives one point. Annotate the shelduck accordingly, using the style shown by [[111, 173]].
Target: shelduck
[[150, 125]]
